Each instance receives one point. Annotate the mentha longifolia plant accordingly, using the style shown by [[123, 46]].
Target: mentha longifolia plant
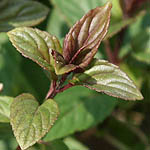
[[69, 65]]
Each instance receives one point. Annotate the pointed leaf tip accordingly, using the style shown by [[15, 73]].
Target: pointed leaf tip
[[105, 77]]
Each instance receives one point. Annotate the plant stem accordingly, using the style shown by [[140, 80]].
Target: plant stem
[[109, 52], [18, 148]]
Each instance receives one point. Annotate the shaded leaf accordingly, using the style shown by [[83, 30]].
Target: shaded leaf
[[30, 122], [83, 39], [54, 145], [74, 144], [60, 65], [35, 44], [103, 76], [5, 103], [15, 13], [81, 109]]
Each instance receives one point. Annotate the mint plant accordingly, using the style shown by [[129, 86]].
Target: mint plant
[[72, 64]]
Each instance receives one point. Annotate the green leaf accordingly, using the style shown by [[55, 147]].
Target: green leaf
[[53, 145], [84, 38], [16, 13], [5, 103], [35, 44], [56, 24], [81, 109], [74, 144], [1, 87], [60, 64], [30, 122], [20, 74], [139, 33], [105, 77]]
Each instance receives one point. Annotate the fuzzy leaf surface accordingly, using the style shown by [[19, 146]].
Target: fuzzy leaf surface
[[5, 103], [30, 122], [16, 13], [84, 38], [103, 76], [34, 44]]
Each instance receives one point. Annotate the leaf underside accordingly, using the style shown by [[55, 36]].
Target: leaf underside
[[30, 122]]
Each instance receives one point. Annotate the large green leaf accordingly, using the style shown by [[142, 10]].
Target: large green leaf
[[74, 10], [103, 76], [80, 108], [5, 103], [30, 122], [15, 13], [35, 44]]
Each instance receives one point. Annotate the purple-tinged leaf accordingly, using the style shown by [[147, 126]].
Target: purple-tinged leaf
[[59, 64], [84, 38], [105, 77]]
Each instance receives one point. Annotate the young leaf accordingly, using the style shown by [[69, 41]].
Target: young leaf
[[30, 122], [35, 44], [108, 78], [5, 103], [60, 64], [84, 38], [16, 13]]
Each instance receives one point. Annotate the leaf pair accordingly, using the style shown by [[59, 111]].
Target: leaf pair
[[80, 44]]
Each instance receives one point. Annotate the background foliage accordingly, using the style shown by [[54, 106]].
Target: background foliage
[[88, 120]]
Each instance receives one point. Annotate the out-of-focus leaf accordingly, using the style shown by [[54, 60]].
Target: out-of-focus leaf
[[15, 13], [35, 44], [84, 38], [108, 78], [54, 145], [30, 122], [1, 87], [5, 103], [79, 110], [74, 144], [139, 33], [56, 24], [15, 74], [7, 140], [60, 64]]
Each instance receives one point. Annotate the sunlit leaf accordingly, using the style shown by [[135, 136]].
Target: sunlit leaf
[[84, 38], [35, 44], [30, 122], [103, 76], [16, 13], [5, 103]]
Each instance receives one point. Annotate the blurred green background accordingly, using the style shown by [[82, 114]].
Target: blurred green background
[[88, 120]]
